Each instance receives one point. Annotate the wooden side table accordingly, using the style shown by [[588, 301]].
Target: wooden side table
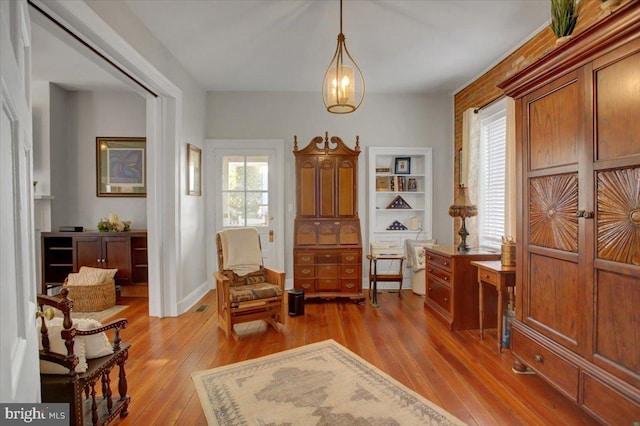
[[374, 277], [494, 273]]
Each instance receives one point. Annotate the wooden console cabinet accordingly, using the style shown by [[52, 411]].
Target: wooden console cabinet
[[452, 285], [327, 254], [65, 252], [578, 248]]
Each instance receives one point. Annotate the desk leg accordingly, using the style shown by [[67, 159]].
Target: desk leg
[[481, 308], [374, 298], [499, 320]]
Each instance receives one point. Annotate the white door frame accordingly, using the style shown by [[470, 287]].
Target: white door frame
[[19, 346], [212, 193], [164, 121]]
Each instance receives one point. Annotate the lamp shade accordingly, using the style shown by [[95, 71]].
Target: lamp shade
[[462, 206]]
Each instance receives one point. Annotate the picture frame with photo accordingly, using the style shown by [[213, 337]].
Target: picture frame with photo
[[121, 167], [402, 166]]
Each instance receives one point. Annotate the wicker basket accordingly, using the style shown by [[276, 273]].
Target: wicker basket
[[93, 297]]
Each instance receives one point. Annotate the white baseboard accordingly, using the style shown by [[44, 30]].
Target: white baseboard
[[188, 302]]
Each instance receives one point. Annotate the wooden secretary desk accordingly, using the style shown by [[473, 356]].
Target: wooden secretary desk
[[327, 253]]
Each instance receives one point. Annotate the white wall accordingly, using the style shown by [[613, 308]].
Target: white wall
[[382, 120], [90, 115]]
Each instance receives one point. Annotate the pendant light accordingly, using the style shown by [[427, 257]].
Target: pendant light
[[343, 84]]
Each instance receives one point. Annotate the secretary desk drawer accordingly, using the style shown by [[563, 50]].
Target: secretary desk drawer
[[305, 259]]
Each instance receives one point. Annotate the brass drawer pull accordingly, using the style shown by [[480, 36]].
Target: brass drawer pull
[[305, 286], [350, 270], [445, 263], [306, 258], [350, 285], [350, 258], [306, 271], [485, 276], [539, 358]]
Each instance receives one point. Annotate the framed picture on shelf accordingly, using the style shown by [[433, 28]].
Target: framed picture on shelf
[[194, 165], [403, 165], [382, 184], [412, 185], [121, 167]]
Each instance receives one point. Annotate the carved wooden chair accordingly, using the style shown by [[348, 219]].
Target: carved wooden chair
[[71, 375], [247, 291]]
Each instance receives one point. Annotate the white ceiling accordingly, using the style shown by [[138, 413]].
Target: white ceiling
[[285, 45]]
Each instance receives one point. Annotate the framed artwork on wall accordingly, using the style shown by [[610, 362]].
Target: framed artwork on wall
[[121, 167], [403, 165], [194, 165]]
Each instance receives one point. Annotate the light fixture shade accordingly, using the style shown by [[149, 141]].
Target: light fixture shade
[[343, 83]]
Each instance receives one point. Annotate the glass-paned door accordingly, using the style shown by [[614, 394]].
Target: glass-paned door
[[247, 179], [245, 191]]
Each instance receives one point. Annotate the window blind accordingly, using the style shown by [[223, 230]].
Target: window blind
[[491, 179]]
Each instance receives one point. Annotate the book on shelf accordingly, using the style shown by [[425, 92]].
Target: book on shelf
[[383, 170], [382, 183]]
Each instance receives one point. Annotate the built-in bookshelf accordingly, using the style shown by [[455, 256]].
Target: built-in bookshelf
[[400, 194]]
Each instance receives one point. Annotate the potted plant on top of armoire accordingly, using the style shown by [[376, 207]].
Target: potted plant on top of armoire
[[564, 16]]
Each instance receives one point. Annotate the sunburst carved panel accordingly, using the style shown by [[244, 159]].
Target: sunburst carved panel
[[619, 215], [553, 202]]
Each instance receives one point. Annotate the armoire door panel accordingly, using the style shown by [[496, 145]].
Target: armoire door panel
[[327, 188], [553, 122], [617, 93], [554, 297], [618, 215], [553, 203], [617, 316]]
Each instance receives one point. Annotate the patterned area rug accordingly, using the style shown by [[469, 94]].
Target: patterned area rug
[[318, 384]]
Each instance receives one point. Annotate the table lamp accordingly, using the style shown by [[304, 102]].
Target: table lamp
[[463, 209]]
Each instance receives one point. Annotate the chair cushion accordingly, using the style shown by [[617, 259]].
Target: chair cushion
[[56, 344], [245, 293], [96, 345]]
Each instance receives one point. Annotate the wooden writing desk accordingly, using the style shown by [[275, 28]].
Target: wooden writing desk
[[374, 277], [494, 273]]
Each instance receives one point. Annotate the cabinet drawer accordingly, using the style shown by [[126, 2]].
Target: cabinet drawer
[[440, 294], [350, 258], [549, 365], [438, 260], [328, 258], [440, 274], [328, 271], [350, 285], [307, 285], [609, 405], [303, 272], [305, 259], [349, 271], [328, 284], [488, 276]]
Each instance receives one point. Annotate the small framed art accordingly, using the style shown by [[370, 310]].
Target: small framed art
[[194, 167], [121, 167], [403, 165]]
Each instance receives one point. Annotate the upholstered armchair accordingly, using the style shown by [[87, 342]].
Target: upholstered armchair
[[246, 290], [76, 357]]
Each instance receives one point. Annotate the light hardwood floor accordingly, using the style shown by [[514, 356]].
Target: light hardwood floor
[[455, 370]]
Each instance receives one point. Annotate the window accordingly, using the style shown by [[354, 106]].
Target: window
[[492, 175], [245, 191]]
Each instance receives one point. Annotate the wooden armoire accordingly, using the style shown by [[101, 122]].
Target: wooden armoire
[[578, 251], [327, 248]]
